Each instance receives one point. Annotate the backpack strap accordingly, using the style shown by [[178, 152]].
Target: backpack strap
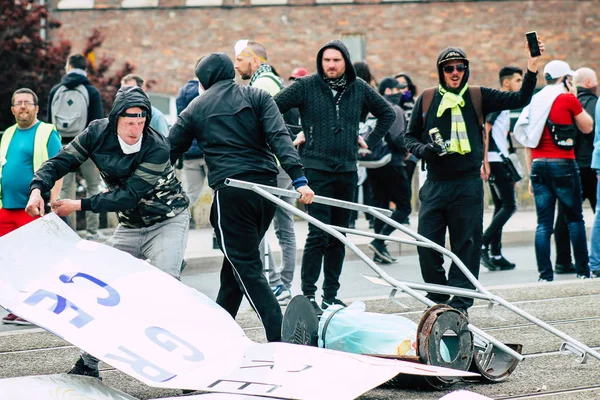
[[426, 99], [475, 93]]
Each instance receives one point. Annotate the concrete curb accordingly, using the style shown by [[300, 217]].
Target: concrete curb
[[197, 265]]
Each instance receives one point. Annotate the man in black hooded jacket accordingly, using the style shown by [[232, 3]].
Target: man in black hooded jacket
[[452, 196], [133, 160], [330, 104], [239, 128]]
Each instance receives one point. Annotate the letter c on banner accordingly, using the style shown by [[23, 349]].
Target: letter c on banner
[[61, 304], [111, 300], [153, 333]]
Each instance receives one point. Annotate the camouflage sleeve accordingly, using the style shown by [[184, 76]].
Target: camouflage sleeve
[[144, 179]]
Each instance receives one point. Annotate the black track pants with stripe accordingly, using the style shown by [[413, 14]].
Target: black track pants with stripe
[[240, 219]]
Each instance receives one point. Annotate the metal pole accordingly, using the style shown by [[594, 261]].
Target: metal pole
[[571, 345], [576, 346], [400, 285], [317, 199]]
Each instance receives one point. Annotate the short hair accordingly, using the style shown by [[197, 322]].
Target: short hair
[[362, 71], [77, 61], [258, 49], [508, 72], [25, 90], [139, 81], [550, 80]]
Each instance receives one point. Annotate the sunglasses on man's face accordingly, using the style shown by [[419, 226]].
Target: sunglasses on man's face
[[450, 68]]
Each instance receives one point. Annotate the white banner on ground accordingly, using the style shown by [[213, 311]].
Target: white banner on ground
[[155, 329], [464, 395], [55, 387]]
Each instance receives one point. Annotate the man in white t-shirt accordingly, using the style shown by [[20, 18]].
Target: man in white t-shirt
[[502, 187]]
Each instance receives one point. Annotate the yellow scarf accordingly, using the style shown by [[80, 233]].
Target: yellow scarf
[[459, 141]]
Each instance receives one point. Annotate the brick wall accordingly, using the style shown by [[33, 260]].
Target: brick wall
[[165, 42]]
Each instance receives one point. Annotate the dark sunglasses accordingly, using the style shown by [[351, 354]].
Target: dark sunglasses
[[450, 68]]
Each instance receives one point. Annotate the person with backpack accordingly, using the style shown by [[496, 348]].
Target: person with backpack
[[72, 105], [501, 181], [452, 195], [251, 63], [389, 182]]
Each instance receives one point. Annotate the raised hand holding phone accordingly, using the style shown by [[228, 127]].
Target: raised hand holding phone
[[533, 44], [535, 48]]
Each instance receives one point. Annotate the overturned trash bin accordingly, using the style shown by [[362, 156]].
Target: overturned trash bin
[[441, 339]]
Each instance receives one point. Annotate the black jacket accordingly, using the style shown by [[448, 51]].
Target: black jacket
[[332, 132], [142, 186], [395, 137], [584, 144], [238, 128], [455, 166], [72, 80]]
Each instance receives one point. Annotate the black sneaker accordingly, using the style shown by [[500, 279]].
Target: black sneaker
[[380, 249], [502, 263], [596, 273], [564, 269], [378, 259], [486, 261], [81, 369], [315, 305], [326, 303]]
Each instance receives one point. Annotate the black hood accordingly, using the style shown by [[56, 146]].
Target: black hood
[[451, 54], [127, 97], [213, 68], [72, 79], [338, 45]]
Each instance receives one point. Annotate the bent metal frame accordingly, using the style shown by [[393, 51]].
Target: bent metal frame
[[481, 339]]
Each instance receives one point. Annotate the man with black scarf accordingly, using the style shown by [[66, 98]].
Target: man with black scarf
[[452, 196], [330, 104]]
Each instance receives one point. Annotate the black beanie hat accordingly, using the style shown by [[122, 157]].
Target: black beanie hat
[[388, 83]]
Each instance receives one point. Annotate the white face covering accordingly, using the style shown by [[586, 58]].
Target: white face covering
[[130, 148]]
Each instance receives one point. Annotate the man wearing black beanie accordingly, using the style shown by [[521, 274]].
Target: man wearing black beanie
[[452, 196]]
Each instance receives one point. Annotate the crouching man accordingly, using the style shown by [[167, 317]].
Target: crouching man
[[133, 160]]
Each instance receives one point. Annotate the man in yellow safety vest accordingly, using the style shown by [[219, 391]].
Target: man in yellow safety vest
[[24, 147]]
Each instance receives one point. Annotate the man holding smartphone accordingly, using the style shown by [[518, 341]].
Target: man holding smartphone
[[452, 196], [551, 162]]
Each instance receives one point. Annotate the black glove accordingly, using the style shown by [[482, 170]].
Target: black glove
[[430, 151]]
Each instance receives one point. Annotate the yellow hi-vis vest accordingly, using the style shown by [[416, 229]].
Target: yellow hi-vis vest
[[40, 147]]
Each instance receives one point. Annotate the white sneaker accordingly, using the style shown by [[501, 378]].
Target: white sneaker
[[284, 296]]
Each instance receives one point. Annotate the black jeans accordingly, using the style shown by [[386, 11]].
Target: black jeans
[[320, 247], [505, 205], [589, 184], [240, 219], [390, 183], [458, 206]]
